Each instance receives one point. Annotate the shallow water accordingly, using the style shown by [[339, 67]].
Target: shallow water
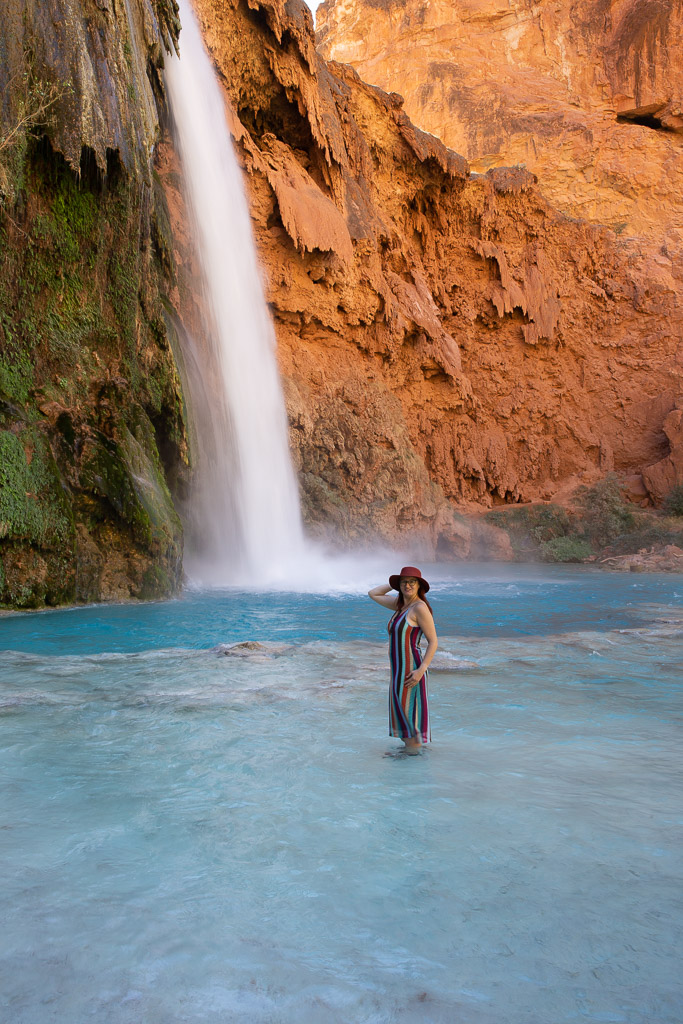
[[472, 601], [192, 833]]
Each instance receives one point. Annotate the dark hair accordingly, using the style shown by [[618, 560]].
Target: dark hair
[[421, 592]]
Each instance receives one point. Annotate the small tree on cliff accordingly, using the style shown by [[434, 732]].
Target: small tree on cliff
[[33, 102]]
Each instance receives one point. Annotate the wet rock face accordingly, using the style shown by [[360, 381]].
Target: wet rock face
[[91, 414], [589, 96], [444, 337], [102, 60]]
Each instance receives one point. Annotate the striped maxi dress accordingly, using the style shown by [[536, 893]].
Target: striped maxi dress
[[408, 709]]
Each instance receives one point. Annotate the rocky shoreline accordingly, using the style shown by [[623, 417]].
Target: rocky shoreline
[[668, 558]]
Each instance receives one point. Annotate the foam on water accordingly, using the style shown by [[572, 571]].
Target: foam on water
[[217, 835]]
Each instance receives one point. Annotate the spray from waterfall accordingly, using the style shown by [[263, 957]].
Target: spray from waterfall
[[244, 525]]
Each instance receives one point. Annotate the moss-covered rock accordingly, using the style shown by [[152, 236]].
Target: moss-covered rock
[[91, 72], [89, 391], [127, 473], [33, 504]]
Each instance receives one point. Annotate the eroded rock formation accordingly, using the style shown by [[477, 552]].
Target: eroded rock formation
[[666, 474], [91, 413], [587, 95], [445, 339]]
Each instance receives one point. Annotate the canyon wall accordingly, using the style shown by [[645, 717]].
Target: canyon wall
[[448, 341], [587, 95], [92, 425]]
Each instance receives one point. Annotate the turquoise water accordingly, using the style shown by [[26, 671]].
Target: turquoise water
[[472, 601], [198, 833]]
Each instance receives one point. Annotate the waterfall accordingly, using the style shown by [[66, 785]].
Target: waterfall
[[244, 524]]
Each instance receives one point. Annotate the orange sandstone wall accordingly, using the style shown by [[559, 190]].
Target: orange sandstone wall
[[558, 87], [448, 341]]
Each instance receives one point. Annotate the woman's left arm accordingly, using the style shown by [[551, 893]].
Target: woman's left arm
[[426, 624]]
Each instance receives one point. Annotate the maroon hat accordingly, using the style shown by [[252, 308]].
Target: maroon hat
[[408, 570]]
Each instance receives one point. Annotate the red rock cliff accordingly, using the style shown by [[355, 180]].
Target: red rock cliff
[[589, 96], [444, 338]]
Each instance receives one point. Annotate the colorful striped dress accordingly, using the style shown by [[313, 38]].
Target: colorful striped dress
[[408, 709]]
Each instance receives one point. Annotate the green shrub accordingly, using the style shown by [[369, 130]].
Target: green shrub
[[548, 522], [540, 522], [673, 503], [605, 514], [648, 533], [565, 549], [529, 527]]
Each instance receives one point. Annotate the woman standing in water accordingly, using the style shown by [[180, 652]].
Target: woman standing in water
[[412, 618]]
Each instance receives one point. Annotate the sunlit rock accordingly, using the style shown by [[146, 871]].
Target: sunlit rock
[[589, 97]]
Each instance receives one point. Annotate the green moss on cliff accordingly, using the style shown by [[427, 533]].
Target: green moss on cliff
[[78, 253], [128, 474], [33, 505], [16, 377], [86, 372], [36, 523]]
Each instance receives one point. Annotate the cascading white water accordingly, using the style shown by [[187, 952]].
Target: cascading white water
[[246, 520]]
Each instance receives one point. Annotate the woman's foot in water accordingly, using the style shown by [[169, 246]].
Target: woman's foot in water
[[412, 745]]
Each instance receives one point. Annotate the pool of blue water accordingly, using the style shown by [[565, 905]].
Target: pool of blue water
[[469, 601], [197, 832]]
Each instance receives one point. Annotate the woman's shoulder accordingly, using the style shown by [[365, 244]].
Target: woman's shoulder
[[416, 608], [422, 608]]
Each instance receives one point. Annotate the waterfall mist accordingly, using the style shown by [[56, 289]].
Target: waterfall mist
[[243, 524]]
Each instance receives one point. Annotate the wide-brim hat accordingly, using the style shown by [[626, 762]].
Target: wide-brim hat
[[408, 570]]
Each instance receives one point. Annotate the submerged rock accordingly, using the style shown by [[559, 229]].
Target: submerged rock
[[445, 662], [253, 649]]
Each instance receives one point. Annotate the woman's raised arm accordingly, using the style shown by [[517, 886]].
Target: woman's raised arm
[[381, 596]]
